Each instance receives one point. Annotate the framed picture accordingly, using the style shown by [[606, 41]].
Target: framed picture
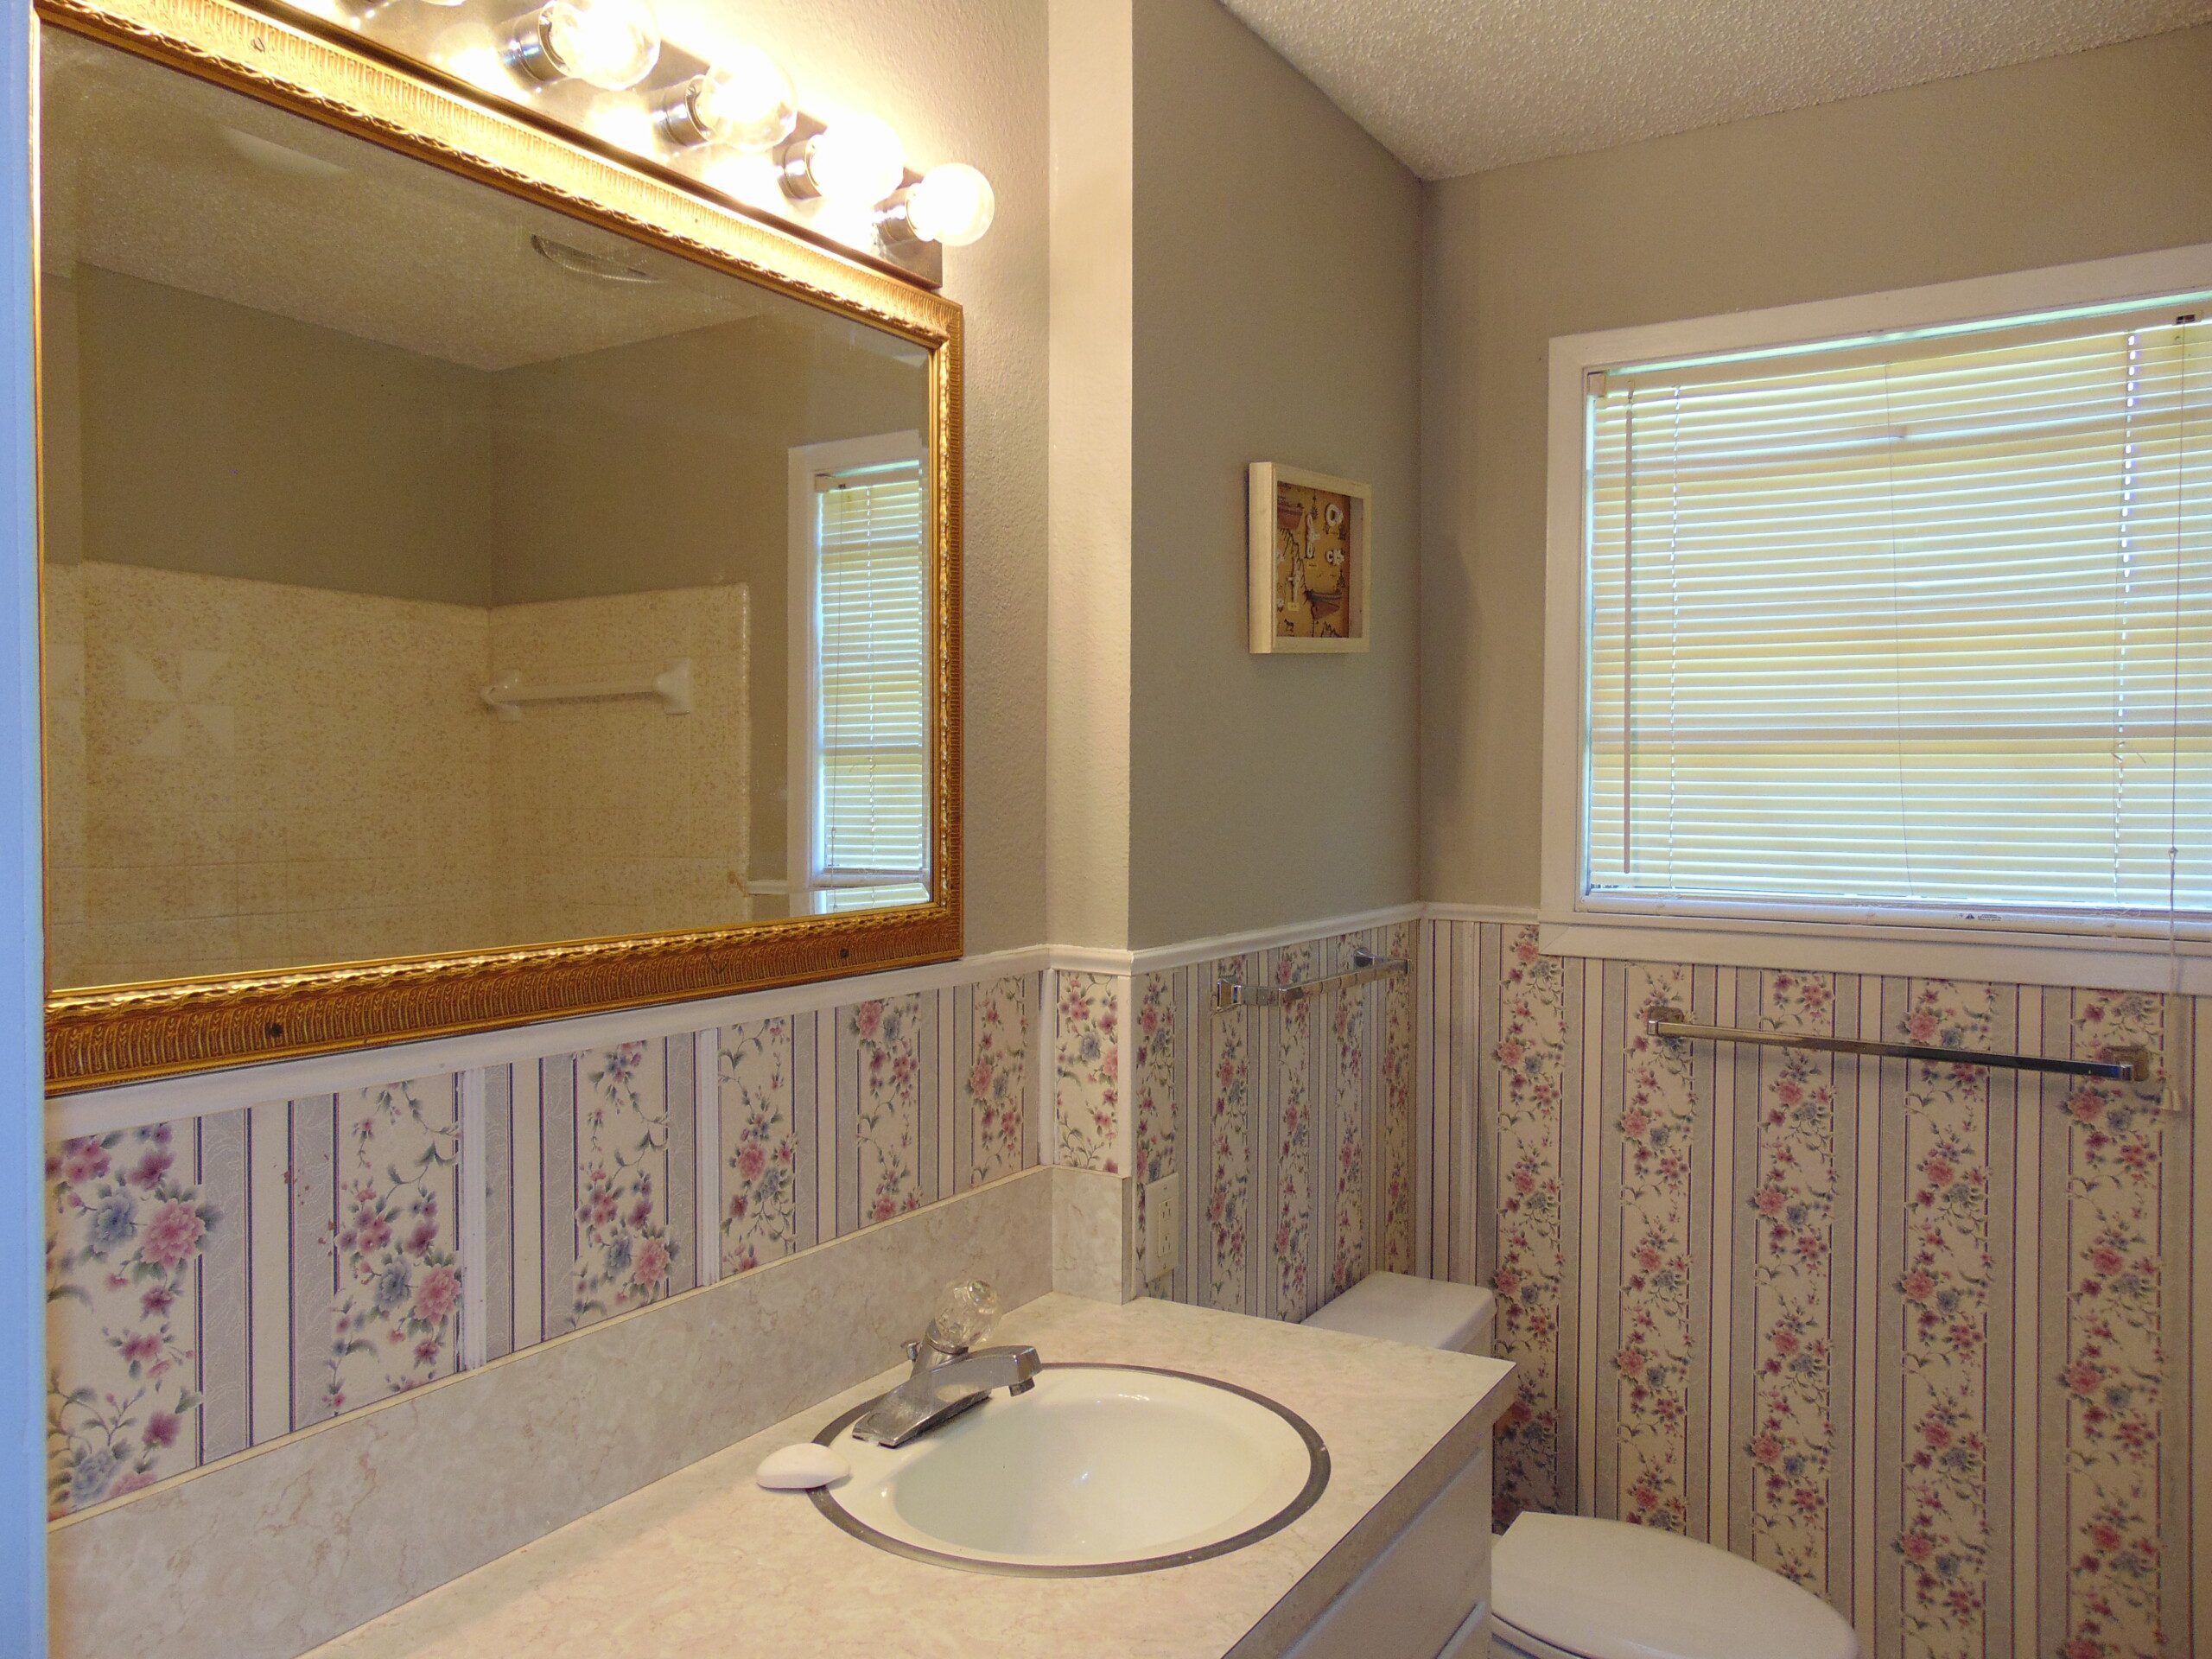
[[1308, 540]]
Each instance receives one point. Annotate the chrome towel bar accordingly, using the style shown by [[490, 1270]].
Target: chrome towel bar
[[2126, 1065], [1365, 964]]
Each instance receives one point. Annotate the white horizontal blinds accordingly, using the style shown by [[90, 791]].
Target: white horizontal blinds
[[872, 682], [1925, 627]]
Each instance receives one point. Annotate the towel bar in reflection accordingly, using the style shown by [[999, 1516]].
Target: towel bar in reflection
[[505, 695], [1365, 964], [2121, 1065]]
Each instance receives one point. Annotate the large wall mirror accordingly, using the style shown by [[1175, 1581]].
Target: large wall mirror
[[480, 583]]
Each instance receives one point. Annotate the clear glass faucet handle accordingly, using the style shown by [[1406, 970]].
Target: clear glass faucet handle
[[964, 1316]]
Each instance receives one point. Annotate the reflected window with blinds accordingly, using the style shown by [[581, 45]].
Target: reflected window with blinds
[[869, 738], [1915, 623]]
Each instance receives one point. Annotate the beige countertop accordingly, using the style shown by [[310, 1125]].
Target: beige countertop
[[705, 1563]]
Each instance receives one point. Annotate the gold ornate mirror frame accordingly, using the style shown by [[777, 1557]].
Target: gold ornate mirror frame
[[119, 1035]]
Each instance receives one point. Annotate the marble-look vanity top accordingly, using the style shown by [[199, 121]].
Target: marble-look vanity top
[[705, 1562]]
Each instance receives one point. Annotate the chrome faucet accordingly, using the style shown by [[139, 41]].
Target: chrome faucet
[[949, 1375]]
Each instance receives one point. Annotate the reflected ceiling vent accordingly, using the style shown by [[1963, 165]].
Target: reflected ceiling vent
[[585, 264]]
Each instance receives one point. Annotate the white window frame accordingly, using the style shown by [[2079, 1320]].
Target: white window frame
[[808, 462], [2007, 947]]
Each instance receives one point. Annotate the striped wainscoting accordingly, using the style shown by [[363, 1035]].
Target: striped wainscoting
[[1919, 1337], [219, 1281], [1289, 1130]]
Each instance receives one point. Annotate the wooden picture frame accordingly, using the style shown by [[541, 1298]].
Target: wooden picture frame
[[1303, 529]]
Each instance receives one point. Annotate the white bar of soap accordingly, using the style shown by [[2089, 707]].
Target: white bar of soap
[[801, 1468]]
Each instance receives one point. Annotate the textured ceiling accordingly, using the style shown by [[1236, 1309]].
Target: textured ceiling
[[1456, 86]]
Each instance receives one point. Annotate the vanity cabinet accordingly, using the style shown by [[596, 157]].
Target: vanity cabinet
[[1427, 1596]]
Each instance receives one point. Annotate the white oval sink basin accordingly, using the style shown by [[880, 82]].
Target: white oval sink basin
[[1098, 1469]]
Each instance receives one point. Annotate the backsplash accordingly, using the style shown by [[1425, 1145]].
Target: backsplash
[[1916, 1335], [220, 1280]]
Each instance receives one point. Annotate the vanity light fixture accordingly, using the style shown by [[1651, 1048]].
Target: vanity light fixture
[[856, 160], [952, 205], [730, 119], [744, 99], [610, 44]]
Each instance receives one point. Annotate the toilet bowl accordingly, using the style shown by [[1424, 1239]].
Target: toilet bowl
[[1564, 1587]]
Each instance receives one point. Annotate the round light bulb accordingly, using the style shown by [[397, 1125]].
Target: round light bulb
[[610, 44], [744, 99], [857, 160], [953, 205]]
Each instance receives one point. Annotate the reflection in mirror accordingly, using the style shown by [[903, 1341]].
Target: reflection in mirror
[[427, 571]]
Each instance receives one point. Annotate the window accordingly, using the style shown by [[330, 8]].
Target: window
[[860, 818], [1912, 626]]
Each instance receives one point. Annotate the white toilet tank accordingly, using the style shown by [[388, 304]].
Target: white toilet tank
[[1427, 1312]]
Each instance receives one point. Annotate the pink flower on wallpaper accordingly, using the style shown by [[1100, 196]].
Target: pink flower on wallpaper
[[173, 1234], [81, 1162], [438, 1295], [119, 1259], [653, 1265]]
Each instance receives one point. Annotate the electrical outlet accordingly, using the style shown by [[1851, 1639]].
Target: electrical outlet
[[1163, 1225]]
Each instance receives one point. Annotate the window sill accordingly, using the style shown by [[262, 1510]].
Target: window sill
[[1925, 951]]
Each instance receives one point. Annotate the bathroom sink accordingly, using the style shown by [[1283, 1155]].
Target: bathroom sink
[[1098, 1469]]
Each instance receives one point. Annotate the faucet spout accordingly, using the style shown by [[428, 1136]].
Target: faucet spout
[[935, 1393]]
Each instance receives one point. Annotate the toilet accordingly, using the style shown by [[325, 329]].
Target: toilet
[[1566, 1586]]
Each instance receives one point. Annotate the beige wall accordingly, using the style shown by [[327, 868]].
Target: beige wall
[[1087, 658], [2072, 158], [1277, 316], [232, 442]]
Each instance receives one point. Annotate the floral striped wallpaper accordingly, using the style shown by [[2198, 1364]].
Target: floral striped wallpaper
[[1917, 1336], [219, 1282], [1289, 1130]]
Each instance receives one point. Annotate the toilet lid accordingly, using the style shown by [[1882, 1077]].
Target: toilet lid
[[1427, 1312], [1606, 1590]]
